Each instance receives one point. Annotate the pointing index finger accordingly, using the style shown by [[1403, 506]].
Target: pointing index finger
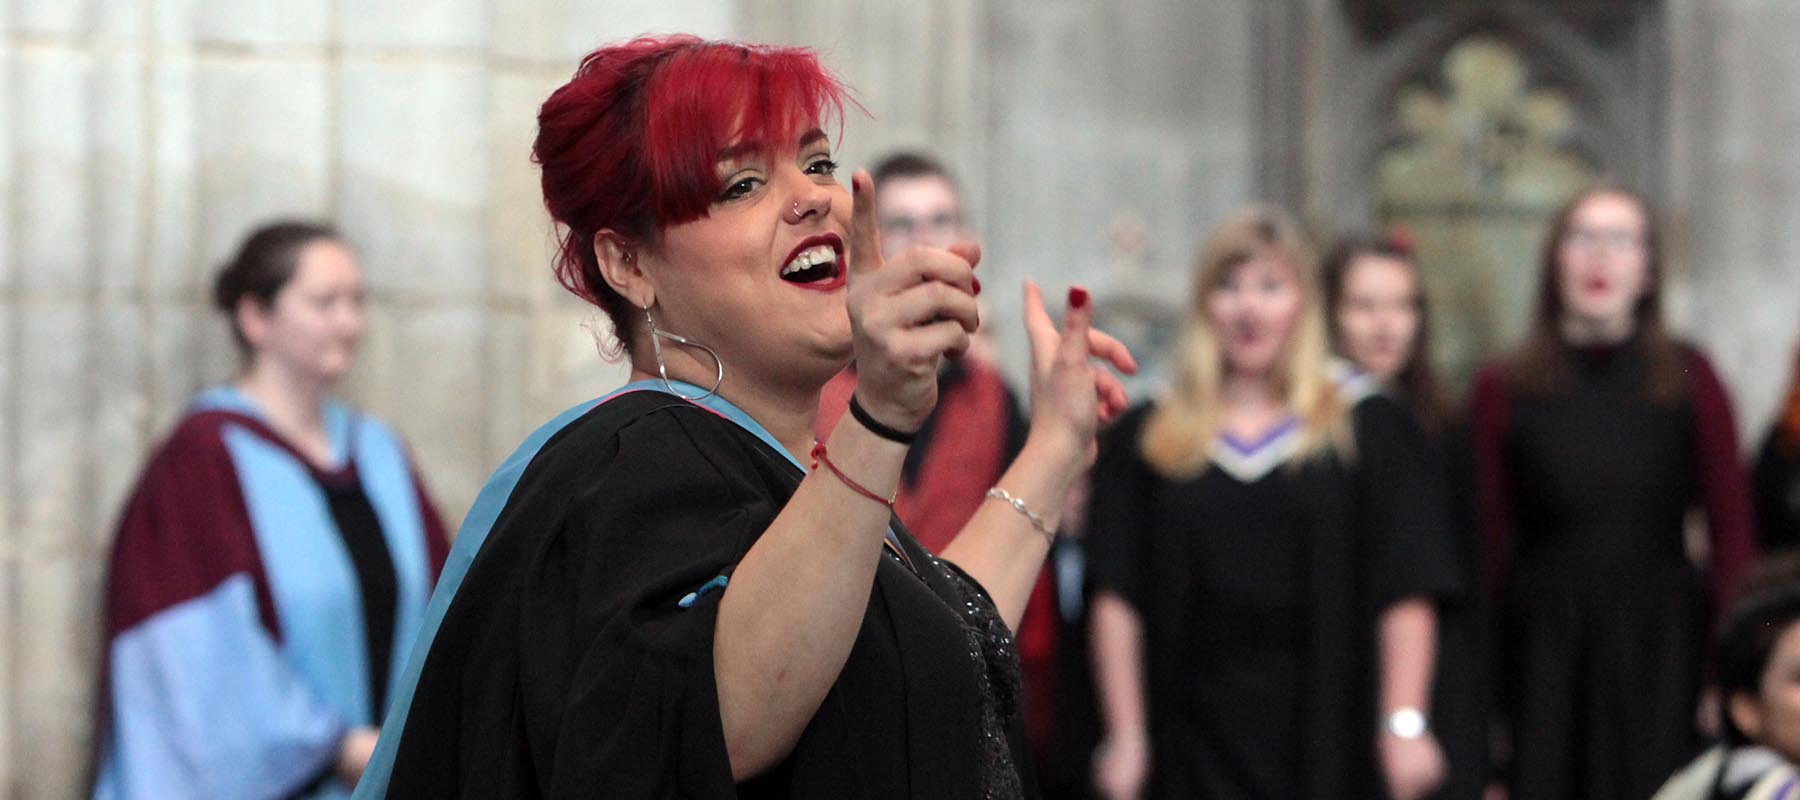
[[865, 235]]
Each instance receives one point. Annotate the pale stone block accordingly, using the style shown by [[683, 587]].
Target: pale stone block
[[416, 24], [528, 30], [107, 20], [263, 22], [8, 179], [117, 22], [52, 143], [59, 605], [11, 638], [586, 24], [559, 32], [413, 177], [173, 23], [174, 264], [521, 237], [1746, 323], [49, 17], [118, 356], [575, 340], [115, 224], [189, 347], [421, 370], [51, 427], [9, 466], [264, 146], [507, 380]]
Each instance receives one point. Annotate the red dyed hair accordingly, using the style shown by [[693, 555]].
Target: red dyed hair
[[632, 142]]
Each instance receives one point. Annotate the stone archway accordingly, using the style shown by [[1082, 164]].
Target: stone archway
[[1467, 127]]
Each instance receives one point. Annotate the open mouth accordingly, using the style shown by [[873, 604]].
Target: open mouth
[[816, 263]]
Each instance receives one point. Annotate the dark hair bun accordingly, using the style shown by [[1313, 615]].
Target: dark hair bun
[[263, 264]]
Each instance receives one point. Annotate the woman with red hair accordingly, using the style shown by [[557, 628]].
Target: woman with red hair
[[676, 590]]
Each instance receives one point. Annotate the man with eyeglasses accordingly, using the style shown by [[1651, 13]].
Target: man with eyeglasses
[[975, 431], [919, 203]]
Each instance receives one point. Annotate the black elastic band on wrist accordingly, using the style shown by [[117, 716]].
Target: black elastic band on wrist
[[862, 416]]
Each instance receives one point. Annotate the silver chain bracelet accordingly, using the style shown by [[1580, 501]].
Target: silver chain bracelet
[[1019, 505]]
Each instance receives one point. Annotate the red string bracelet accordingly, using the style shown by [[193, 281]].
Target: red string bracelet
[[819, 457]]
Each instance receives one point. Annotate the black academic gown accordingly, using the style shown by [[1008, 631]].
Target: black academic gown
[[567, 667], [1258, 600], [1462, 684]]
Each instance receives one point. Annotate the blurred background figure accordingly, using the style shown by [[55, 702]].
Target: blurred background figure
[[1266, 549], [274, 561], [977, 426], [1381, 323], [966, 442], [1757, 667], [1776, 476], [1594, 439]]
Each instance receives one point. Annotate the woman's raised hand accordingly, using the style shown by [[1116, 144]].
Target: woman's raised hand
[[905, 314], [1071, 395]]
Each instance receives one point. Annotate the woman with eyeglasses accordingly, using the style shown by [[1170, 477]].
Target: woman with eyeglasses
[[1594, 441]]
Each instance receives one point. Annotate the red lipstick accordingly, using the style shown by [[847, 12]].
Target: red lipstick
[[840, 269]]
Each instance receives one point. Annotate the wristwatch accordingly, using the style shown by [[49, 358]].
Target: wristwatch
[[1405, 723]]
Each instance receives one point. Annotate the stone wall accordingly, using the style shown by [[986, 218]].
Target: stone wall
[[1734, 178], [140, 141], [140, 138]]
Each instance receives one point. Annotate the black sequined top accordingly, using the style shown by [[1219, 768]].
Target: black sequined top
[[996, 659]]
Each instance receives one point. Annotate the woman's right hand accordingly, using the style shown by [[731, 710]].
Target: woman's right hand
[[1121, 766], [905, 314]]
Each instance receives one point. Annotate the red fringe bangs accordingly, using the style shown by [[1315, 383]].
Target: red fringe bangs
[[631, 143], [709, 99]]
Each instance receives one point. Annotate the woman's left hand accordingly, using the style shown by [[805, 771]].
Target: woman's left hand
[[1414, 768], [1070, 395]]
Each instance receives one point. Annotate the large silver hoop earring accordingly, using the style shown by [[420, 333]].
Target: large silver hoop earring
[[656, 337]]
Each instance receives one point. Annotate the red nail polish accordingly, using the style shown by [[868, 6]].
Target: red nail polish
[[977, 283], [1078, 297]]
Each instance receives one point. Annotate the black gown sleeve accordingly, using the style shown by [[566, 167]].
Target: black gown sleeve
[[617, 675], [1403, 507], [1118, 512]]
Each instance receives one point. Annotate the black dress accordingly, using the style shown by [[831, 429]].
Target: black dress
[[1585, 494], [568, 666], [1462, 683], [1776, 482], [1257, 583]]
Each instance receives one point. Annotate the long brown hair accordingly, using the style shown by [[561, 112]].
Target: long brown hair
[[1417, 382], [1177, 437], [1541, 366]]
